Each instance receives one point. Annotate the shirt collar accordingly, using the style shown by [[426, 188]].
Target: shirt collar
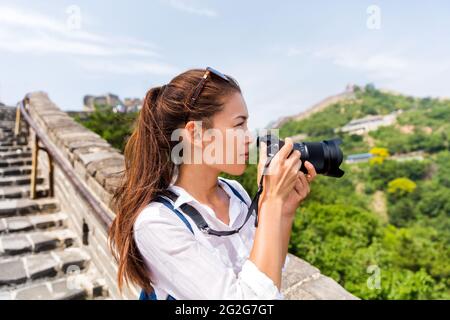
[[183, 196], [186, 197]]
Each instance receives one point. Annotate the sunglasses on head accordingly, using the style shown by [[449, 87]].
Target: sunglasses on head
[[202, 83]]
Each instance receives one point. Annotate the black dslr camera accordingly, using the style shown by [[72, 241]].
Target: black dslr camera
[[325, 156]]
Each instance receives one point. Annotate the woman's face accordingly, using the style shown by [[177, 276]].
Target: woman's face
[[226, 144]]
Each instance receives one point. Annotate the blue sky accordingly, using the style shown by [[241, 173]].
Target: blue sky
[[286, 55]]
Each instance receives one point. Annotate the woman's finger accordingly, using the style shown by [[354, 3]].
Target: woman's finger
[[298, 187], [286, 149], [301, 179], [294, 163], [304, 182], [311, 171]]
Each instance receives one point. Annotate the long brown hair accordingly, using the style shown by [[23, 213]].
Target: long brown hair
[[148, 166]]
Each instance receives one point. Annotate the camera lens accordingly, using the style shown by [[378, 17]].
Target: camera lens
[[325, 156]]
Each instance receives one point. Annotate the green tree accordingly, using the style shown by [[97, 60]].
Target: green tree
[[113, 127], [401, 186]]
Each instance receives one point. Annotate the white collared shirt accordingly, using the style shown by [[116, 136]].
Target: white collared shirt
[[202, 266]]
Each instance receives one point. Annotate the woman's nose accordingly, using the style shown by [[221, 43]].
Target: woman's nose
[[250, 137]]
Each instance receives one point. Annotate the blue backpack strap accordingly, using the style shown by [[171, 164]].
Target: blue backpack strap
[[168, 204], [152, 296], [237, 194], [145, 296]]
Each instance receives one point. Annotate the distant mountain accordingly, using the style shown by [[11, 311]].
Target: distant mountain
[[321, 105], [404, 123]]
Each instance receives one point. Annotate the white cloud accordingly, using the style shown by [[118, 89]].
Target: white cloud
[[32, 33], [376, 64], [395, 68], [191, 7]]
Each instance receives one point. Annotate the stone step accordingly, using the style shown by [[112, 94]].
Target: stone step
[[34, 242], [18, 181], [15, 148], [15, 154], [14, 162], [5, 136], [33, 222], [7, 123], [17, 192], [72, 287], [8, 134], [16, 171], [8, 115], [25, 269], [7, 126], [14, 141], [18, 207], [10, 131]]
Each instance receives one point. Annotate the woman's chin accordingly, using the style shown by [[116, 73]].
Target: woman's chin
[[237, 170]]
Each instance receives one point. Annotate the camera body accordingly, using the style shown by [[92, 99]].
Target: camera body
[[325, 156]]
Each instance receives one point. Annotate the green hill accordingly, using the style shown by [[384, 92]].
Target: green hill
[[424, 123]]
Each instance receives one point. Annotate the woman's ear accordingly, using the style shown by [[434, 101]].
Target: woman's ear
[[194, 133]]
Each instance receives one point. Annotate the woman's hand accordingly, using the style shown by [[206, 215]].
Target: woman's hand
[[283, 180], [300, 191]]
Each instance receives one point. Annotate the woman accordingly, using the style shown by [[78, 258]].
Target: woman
[[158, 246]]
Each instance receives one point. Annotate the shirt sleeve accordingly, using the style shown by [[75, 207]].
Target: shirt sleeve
[[240, 188], [187, 269]]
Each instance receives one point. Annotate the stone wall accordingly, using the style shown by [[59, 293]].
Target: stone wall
[[97, 164]]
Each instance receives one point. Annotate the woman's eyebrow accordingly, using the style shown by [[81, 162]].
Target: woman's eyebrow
[[241, 116]]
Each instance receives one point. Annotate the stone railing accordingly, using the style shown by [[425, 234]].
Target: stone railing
[[98, 166]]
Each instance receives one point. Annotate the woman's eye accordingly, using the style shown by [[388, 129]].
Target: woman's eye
[[239, 124]]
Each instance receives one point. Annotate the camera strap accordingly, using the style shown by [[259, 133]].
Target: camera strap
[[255, 201], [168, 199], [197, 217]]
